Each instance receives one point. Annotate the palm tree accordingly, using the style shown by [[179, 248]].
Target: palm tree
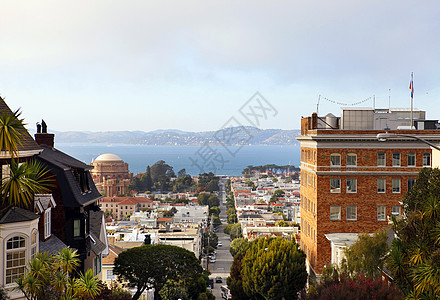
[[24, 179], [87, 285]]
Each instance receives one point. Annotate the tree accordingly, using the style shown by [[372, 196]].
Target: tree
[[115, 292], [50, 277], [414, 258], [181, 173], [367, 254], [214, 211], [239, 245], [25, 178], [234, 230], [153, 265], [273, 268]]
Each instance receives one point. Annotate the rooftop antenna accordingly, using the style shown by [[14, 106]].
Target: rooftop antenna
[[317, 105], [389, 100]]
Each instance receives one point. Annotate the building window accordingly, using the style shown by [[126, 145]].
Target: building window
[[76, 228], [34, 243], [15, 258], [335, 185], [411, 182], [47, 223], [381, 159], [351, 160], [351, 185], [335, 160], [351, 212], [396, 159], [97, 264], [395, 210], [335, 212], [396, 185], [426, 159], [381, 185], [381, 212], [110, 275], [411, 159]]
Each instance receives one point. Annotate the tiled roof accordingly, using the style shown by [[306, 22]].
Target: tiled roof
[[114, 252], [61, 165], [52, 245], [16, 214], [28, 142]]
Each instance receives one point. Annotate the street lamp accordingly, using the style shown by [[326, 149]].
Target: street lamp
[[383, 137]]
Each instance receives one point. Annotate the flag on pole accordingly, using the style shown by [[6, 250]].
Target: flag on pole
[[411, 86]]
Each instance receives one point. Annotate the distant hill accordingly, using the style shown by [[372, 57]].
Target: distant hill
[[232, 136]]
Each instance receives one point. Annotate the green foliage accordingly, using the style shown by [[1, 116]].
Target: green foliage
[[173, 290], [232, 219], [213, 240], [11, 132], [273, 268], [154, 265], [336, 284], [367, 254], [208, 182], [239, 245], [115, 292], [161, 174], [182, 183], [208, 199], [235, 280], [234, 230], [24, 181], [49, 277], [414, 258], [214, 211]]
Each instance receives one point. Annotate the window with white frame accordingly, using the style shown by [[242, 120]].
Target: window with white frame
[[351, 185], [411, 182], [381, 185], [381, 159], [47, 223], [395, 210], [109, 275], [351, 160], [396, 185], [411, 159], [396, 159], [15, 258], [34, 240], [426, 159], [381, 212], [335, 185], [335, 212], [335, 160], [351, 212]]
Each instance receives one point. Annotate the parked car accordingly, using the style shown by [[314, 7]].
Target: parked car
[[212, 260], [219, 244], [218, 279]]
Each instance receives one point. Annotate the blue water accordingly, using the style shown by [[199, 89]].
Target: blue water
[[195, 159]]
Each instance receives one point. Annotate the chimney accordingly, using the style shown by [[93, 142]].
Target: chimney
[[44, 138]]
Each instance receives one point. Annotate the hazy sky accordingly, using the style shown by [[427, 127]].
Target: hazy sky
[[146, 65]]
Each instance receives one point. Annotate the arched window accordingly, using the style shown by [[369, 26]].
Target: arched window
[[15, 258]]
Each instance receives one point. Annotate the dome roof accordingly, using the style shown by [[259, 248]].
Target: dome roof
[[108, 157]]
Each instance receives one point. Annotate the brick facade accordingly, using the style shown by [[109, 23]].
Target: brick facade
[[373, 206]]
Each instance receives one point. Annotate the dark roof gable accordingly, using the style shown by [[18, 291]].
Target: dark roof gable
[[16, 214]]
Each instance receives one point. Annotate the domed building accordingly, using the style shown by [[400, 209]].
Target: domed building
[[111, 175]]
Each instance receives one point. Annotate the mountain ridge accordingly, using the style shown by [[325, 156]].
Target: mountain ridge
[[230, 136]]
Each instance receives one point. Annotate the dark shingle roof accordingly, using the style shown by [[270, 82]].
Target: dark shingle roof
[[16, 214], [61, 165], [52, 245], [28, 142]]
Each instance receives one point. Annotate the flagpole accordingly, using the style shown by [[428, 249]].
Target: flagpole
[[412, 96]]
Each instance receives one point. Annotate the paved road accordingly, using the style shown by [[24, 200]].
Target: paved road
[[223, 257]]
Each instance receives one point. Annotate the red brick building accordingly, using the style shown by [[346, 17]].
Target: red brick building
[[350, 181]]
